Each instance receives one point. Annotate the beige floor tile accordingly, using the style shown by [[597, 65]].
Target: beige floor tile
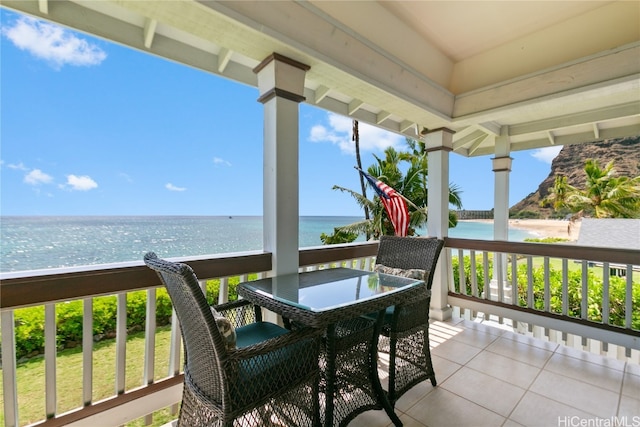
[[511, 423], [630, 408], [521, 352], [486, 327], [371, 419], [455, 351], [529, 340], [475, 338], [632, 368], [440, 332], [441, 408], [408, 421], [578, 394], [609, 362], [504, 368], [443, 369], [487, 391], [631, 385], [535, 410], [598, 375]]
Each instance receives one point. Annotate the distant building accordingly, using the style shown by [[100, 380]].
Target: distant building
[[611, 233]]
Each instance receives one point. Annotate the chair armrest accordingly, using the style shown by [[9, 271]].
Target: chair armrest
[[240, 312]]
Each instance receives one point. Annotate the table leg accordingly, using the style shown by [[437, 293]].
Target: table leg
[[377, 386], [330, 375]]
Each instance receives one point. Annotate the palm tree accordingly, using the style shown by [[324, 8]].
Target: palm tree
[[412, 185], [605, 195]]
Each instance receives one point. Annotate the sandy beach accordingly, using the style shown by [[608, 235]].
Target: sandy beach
[[544, 227]]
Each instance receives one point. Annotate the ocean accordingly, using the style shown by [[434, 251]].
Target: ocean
[[42, 242]]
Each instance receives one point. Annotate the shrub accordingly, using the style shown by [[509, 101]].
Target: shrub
[[29, 322]]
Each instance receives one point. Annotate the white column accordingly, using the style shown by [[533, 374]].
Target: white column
[[501, 168], [438, 144], [281, 86]]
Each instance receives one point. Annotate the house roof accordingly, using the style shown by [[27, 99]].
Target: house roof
[[541, 73], [610, 233]]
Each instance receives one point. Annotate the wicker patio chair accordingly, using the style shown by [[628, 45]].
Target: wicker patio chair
[[405, 332], [269, 377]]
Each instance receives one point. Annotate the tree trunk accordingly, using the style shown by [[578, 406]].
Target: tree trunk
[[356, 138]]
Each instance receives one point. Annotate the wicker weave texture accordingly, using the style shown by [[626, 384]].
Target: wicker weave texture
[[406, 336], [273, 382]]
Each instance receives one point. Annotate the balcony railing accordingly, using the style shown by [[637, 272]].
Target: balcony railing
[[517, 291]]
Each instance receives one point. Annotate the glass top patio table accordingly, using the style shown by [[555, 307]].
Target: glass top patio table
[[321, 297], [335, 299]]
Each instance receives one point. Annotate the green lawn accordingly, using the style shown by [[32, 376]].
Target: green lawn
[[31, 377]]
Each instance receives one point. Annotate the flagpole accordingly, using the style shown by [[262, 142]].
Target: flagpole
[[399, 194]]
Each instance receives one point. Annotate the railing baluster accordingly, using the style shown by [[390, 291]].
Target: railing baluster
[[223, 295], [174, 352], [584, 307], [50, 352], [121, 342], [547, 290], [87, 351], [628, 299], [585, 290], [472, 273], [485, 274], [498, 272], [150, 343], [565, 289], [462, 278], [529, 282], [605, 293], [9, 376], [515, 292]]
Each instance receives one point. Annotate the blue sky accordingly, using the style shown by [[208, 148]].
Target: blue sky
[[89, 127]]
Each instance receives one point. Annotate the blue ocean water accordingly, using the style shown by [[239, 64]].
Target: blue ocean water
[[33, 243]]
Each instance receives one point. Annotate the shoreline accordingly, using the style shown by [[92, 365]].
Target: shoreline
[[542, 227]]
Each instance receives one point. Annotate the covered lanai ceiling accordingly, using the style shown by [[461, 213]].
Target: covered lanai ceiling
[[542, 73]]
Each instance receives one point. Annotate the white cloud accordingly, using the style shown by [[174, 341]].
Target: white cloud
[[36, 177], [219, 161], [20, 166], [172, 187], [339, 133], [81, 183], [546, 154], [53, 43], [125, 176]]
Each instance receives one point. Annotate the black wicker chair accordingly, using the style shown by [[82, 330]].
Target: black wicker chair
[[270, 377], [405, 332]]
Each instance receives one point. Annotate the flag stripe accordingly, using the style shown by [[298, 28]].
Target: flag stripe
[[394, 204]]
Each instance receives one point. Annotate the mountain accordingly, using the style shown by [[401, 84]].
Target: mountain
[[625, 153]]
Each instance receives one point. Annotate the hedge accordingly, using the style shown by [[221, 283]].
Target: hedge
[[29, 322], [617, 291]]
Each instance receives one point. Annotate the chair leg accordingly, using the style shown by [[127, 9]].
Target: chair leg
[[392, 371], [427, 356]]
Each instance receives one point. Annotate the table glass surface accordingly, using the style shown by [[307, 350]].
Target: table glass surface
[[323, 290]]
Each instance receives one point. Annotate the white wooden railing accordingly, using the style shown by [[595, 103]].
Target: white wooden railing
[[51, 288], [540, 305]]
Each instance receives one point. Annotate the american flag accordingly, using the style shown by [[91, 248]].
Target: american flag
[[394, 204]]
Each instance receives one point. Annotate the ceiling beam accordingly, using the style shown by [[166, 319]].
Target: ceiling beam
[[602, 114], [603, 67], [224, 56], [149, 31]]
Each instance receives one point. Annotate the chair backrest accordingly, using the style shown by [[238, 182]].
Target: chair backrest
[[203, 344], [410, 252]]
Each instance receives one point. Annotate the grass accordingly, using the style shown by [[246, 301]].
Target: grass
[[31, 377]]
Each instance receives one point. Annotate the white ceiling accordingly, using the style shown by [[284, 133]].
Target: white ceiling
[[462, 29], [539, 73]]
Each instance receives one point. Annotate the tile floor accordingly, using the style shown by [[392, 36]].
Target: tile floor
[[488, 376]]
